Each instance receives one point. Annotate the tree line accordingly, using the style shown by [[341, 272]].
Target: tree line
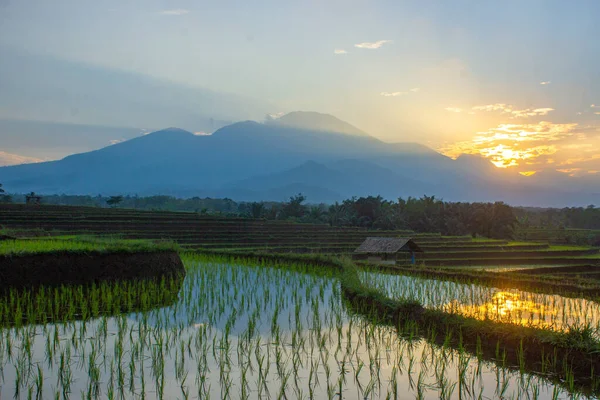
[[425, 214]]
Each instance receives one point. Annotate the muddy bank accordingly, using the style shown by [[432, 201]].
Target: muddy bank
[[65, 268]]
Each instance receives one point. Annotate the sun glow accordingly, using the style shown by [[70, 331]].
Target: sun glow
[[513, 145], [510, 307], [528, 173]]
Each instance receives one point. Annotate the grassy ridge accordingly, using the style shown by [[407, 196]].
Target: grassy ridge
[[571, 357], [81, 244]]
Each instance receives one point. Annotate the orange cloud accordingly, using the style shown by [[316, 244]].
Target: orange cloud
[[514, 113], [525, 145]]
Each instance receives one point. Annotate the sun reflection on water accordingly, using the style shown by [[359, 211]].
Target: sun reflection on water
[[509, 306]]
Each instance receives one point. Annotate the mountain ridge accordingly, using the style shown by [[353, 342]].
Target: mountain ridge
[[264, 161]]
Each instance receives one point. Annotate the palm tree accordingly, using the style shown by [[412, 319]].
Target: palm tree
[[257, 209], [114, 200], [317, 214]]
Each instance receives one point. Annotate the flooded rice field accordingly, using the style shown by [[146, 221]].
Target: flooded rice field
[[503, 305], [242, 331]]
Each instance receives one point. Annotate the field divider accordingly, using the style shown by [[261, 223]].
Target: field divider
[[546, 284], [568, 358]]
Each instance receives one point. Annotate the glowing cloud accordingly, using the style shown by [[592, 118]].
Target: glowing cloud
[[545, 83], [494, 107], [116, 141], [528, 173], [272, 116], [372, 45], [340, 51], [510, 145], [514, 113], [395, 94], [15, 159]]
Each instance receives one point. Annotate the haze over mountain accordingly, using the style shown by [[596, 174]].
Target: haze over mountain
[[314, 121], [299, 152], [434, 74], [39, 87]]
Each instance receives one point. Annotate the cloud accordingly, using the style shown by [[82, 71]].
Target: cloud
[[511, 145], [453, 109], [394, 94], [514, 113], [272, 116], [372, 45], [340, 51], [493, 107], [202, 133], [15, 159], [177, 11], [116, 141], [545, 83]]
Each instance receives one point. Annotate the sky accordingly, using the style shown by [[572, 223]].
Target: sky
[[515, 81]]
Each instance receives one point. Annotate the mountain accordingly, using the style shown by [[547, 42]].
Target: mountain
[[272, 161], [314, 121], [329, 183]]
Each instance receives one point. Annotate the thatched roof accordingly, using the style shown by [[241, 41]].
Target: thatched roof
[[378, 245]]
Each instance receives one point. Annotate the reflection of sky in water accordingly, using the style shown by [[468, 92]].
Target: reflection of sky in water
[[245, 331], [231, 301], [514, 306]]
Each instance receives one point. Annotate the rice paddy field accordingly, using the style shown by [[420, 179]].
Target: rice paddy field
[[278, 310], [208, 233], [236, 329], [531, 309]]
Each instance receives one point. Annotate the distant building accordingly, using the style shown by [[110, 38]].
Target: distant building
[[33, 199], [386, 250]]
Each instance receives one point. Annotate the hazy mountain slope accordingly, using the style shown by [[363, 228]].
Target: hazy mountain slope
[[189, 162], [54, 140], [337, 181], [254, 161]]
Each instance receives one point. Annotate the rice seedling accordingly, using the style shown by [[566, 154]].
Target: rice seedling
[[553, 312], [233, 329], [81, 244]]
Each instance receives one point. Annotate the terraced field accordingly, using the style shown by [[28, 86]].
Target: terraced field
[[240, 235], [257, 318]]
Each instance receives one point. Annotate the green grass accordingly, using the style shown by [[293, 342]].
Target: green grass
[[82, 244], [567, 247], [593, 256]]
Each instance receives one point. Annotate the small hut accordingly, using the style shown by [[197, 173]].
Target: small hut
[[33, 199], [386, 250]]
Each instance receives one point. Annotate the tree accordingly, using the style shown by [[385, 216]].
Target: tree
[[316, 214], [257, 210], [4, 198], [113, 201], [294, 208]]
